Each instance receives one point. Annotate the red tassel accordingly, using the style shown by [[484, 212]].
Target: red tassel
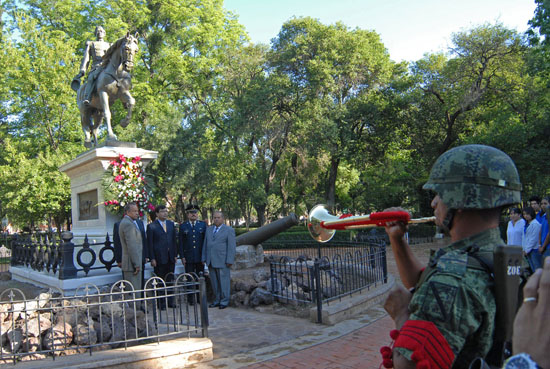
[[387, 363], [386, 352], [394, 333]]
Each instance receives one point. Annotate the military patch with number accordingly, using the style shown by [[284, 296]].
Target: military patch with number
[[439, 300]]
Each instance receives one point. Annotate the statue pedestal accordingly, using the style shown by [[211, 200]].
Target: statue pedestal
[[89, 215]]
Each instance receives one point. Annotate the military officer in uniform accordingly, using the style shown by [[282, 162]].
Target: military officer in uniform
[[191, 238], [447, 317]]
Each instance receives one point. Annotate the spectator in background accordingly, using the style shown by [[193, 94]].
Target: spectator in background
[[516, 225], [531, 241], [534, 202], [542, 220], [544, 249]]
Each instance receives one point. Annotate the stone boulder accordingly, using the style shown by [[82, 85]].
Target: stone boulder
[[248, 256], [260, 297]]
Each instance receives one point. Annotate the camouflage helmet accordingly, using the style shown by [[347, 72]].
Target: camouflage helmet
[[475, 177]]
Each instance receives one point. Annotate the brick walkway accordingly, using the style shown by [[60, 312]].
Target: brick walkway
[[358, 349]]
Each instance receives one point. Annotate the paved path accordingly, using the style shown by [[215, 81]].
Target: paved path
[[358, 349], [274, 341]]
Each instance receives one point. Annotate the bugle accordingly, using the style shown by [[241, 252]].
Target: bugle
[[322, 225]]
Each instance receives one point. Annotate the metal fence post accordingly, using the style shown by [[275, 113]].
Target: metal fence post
[[384, 263], [67, 269], [318, 290], [204, 306]]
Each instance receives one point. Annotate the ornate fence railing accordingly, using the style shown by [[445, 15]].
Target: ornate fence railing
[[44, 252], [100, 318], [320, 280]]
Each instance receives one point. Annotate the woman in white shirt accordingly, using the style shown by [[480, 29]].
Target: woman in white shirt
[[516, 225], [531, 239]]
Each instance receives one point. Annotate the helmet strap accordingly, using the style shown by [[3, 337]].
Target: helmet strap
[[448, 221]]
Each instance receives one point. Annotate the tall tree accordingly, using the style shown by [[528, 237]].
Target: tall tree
[[328, 67]]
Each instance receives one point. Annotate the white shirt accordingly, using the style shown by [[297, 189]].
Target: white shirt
[[531, 237], [514, 233]]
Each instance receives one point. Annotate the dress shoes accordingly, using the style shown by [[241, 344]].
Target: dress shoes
[[213, 305], [223, 306]]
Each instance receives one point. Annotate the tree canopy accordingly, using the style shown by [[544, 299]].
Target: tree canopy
[[322, 114]]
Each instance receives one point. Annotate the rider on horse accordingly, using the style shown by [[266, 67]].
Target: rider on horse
[[94, 53]]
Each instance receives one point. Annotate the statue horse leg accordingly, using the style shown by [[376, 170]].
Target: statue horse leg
[[86, 122], [128, 101], [104, 103]]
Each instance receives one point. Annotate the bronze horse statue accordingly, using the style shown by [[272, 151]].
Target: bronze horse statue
[[113, 82]]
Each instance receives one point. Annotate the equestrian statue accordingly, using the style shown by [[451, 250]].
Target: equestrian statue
[[109, 79]]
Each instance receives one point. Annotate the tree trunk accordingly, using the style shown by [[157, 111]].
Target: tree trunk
[[260, 209], [331, 185]]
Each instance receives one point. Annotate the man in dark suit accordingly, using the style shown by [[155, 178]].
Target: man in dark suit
[[118, 248], [191, 239], [218, 253], [130, 241], [161, 237]]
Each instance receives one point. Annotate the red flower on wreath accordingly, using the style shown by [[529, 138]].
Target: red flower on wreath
[[124, 182]]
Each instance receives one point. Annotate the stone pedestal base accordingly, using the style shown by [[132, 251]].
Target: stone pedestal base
[[89, 215]]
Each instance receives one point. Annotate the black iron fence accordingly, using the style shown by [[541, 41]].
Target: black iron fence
[[101, 318], [43, 252], [311, 249], [342, 269]]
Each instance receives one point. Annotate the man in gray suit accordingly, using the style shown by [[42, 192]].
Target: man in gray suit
[[218, 253], [130, 240]]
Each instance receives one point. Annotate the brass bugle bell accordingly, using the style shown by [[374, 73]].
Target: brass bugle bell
[[322, 225]]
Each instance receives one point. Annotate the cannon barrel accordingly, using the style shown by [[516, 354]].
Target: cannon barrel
[[267, 231]]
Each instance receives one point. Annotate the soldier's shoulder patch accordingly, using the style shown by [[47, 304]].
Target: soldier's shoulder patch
[[438, 300], [453, 263]]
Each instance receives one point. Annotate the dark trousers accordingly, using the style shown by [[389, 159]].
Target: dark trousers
[[166, 272], [198, 269]]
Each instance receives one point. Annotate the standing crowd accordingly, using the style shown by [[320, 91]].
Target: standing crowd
[[202, 249], [529, 229]]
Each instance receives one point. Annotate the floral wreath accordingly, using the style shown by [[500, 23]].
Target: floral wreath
[[124, 182]]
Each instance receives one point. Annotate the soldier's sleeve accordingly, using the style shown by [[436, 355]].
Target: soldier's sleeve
[[461, 308]]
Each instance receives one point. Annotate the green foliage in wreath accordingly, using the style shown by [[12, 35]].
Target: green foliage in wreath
[[124, 182]]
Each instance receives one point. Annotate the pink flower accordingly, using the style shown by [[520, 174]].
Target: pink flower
[[122, 158], [151, 207], [118, 178], [136, 159], [105, 203], [140, 213]]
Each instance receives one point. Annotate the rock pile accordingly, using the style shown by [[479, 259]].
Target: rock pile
[[50, 325]]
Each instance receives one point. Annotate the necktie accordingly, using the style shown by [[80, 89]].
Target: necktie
[[216, 230], [193, 224], [163, 226]]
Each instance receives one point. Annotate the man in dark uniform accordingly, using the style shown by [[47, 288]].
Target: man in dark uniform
[[447, 317], [161, 238], [191, 238], [118, 247]]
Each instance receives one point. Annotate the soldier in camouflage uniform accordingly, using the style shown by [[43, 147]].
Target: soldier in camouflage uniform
[[447, 317]]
